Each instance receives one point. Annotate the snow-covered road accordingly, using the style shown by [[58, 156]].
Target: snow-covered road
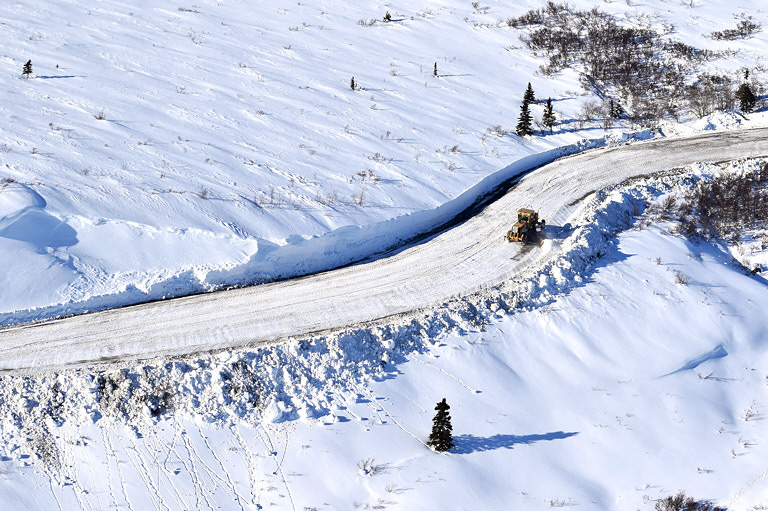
[[463, 260]]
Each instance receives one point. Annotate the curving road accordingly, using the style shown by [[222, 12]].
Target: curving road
[[459, 261]]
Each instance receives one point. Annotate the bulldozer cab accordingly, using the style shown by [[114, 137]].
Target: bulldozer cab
[[525, 227], [526, 216]]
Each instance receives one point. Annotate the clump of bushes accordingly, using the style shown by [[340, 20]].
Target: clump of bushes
[[637, 65], [724, 206], [681, 502], [745, 28]]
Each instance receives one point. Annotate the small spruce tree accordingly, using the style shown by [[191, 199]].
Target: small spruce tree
[[525, 121], [746, 97], [387, 17], [529, 96], [549, 118], [615, 111], [352, 83], [434, 72], [27, 69], [441, 438]]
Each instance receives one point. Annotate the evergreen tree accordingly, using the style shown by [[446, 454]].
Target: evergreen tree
[[352, 83], [529, 97], [615, 110], [746, 97], [435, 70], [387, 17], [549, 118], [441, 438], [27, 69], [524, 122]]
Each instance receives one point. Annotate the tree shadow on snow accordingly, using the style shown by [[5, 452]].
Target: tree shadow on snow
[[466, 444]]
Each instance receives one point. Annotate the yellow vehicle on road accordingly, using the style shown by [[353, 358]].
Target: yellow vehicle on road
[[525, 227]]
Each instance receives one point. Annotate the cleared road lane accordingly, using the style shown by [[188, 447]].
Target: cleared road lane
[[462, 260]]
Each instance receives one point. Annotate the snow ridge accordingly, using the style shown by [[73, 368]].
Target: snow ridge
[[308, 378]]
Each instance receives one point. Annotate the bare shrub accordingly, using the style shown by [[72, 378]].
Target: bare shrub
[[725, 205], [744, 29], [681, 502], [629, 61], [368, 467]]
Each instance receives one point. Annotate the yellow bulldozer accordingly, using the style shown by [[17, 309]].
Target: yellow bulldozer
[[525, 227]]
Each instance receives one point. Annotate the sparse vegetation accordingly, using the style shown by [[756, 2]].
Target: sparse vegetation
[[368, 467], [681, 502], [630, 61], [725, 205], [745, 28]]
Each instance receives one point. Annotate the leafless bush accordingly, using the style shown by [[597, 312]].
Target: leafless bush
[[497, 131], [745, 28], [368, 467], [633, 61], [723, 206], [681, 502], [682, 279]]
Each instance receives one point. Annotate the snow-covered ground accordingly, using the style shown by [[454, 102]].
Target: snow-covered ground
[[163, 149], [171, 148], [626, 387]]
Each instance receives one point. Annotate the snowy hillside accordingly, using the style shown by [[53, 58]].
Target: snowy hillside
[[159, 145], [161, 149]]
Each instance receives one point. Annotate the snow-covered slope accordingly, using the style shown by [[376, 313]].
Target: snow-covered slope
[[630, 386], [174, 143], [168, 148], [469, 258]]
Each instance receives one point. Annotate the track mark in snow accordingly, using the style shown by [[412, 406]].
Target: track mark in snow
[[229, 483], [53, 492], [247, 457], [745, 489], [195, 476], [173, 492], [370, 394], [280, 465], [109, 448], [474, 391], [154, 494]]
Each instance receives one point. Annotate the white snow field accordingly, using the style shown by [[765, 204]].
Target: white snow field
[[461, 261], [163, 149]]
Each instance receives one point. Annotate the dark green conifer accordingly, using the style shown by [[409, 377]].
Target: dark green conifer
[[441, 438], [746, 97], [549, 118], [27, 69], [529, 96], [525, 121]]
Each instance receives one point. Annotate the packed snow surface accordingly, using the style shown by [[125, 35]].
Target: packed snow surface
[[463, 260], [164, 149]]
